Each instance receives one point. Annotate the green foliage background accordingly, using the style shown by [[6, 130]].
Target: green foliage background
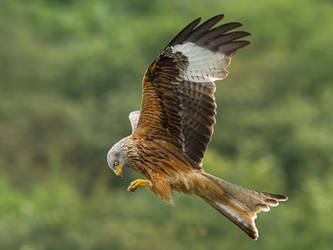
[[70, 72]]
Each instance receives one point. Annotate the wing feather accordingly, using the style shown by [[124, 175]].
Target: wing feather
[[183, 34], [204, 28], [134, 119], [178, 104]]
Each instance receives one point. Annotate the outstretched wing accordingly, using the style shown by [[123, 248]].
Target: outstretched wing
[[178, 104]]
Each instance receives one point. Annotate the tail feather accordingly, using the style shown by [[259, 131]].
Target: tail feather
[[240, 205]]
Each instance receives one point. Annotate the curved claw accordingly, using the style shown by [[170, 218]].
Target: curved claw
[[136, 184]]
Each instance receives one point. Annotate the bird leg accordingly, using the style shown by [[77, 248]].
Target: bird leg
[[138, 183]]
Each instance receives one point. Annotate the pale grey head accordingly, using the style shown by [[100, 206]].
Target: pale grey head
[[117, 157]]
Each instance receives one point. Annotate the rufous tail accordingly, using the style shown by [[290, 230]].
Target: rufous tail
[[238, 204]]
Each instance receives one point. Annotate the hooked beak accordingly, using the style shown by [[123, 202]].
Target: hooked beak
[[119, 171]]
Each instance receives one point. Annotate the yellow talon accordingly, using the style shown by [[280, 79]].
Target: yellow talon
[[137, 183]]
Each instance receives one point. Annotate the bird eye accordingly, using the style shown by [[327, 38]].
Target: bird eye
[[115, 163]]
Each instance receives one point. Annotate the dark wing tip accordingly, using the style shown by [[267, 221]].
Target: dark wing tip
[[203, 28], [224, 39], [213, 38], [232, 47], [184, 33], [217, 17], [189, 31], [245, 33]]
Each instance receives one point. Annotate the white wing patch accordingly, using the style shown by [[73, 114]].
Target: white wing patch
[[204, 65]]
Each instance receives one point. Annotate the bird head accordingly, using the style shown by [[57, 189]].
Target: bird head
[[117, 158]]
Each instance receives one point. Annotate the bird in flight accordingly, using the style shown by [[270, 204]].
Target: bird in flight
[[171, 132]]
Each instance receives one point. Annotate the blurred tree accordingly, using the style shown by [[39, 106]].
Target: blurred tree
[[70, 73]]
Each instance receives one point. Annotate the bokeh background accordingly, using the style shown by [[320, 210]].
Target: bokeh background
[[70, 72]]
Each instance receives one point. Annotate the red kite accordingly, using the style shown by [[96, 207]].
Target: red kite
[[171, 132]]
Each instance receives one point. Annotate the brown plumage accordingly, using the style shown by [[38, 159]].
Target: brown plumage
[[171, 132]]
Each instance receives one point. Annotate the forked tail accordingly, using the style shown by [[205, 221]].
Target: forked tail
[[238, 204]]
